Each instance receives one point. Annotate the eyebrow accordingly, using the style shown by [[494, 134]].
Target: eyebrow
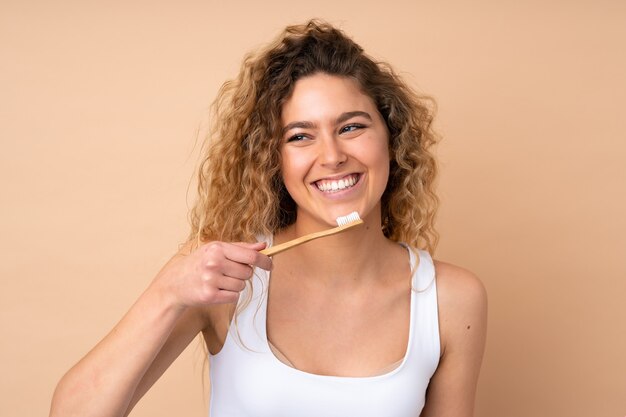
[[342, 118], [349, 115], [293, 125]]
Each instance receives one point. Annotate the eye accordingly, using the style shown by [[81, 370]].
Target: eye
[[351, 127], [298, 137]]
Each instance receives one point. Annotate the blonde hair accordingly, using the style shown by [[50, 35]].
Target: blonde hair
[[241, 194]]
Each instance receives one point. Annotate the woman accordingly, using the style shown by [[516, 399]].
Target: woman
[[360, 323]]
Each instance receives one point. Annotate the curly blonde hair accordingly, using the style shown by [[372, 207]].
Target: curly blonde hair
[[241, 194]]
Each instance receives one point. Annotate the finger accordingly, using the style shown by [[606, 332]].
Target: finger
[[226, 297], [248, 255], [237, 270], [231, 284]]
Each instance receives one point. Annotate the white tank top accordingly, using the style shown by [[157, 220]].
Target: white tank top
[[247, 379]]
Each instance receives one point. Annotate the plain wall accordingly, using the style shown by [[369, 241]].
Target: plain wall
[[99, 112]]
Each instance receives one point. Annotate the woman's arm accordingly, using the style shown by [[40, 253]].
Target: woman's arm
[[463, 328], [114, 375]]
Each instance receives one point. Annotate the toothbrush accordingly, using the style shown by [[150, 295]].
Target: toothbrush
[[343, 223]]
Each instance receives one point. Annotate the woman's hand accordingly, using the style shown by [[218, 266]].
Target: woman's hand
[[214, 273], [116, 373]]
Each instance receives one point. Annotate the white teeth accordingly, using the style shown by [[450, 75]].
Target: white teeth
[[342, 184]]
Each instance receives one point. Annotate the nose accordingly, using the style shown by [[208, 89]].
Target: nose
[[331, 153]]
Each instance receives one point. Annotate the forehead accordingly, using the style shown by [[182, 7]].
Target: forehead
[[321, 96]]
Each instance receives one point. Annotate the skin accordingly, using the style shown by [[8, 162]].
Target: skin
[[118, 371], [335, 130], [363, 303]]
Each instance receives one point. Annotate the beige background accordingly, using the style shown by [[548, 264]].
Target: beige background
[[98, 117]]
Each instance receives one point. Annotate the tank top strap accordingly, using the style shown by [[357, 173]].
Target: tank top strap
[[247, 379], [424, 334], [424, 276]]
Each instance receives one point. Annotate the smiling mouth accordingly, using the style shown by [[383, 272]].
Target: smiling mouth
[[333, 186]]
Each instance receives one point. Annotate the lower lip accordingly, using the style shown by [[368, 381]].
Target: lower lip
[[341, 193]]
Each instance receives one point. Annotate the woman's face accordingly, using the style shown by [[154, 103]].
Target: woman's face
[[334, 150]]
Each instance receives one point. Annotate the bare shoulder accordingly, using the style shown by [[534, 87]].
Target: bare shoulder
[[462, 300], [462, 305], [459, 283]]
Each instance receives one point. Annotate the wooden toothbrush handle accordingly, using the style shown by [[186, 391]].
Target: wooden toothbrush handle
[[273, 250]]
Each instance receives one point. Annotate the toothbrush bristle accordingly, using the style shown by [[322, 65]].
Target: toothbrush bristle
[[350, 218]]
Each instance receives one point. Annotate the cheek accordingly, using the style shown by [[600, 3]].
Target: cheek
[[384, 170], [292, 167], [381, 158]]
